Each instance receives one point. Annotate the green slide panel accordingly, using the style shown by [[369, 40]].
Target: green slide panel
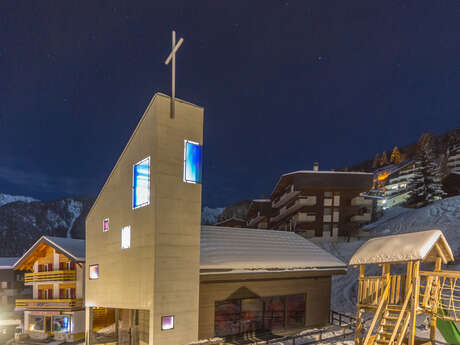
[[448, 329]]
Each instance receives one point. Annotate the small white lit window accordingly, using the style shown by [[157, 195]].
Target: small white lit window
[[126, 237], [167, 322], [94, 272]]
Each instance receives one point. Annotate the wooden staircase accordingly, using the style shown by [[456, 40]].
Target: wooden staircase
[[389, 328], [391, 320]]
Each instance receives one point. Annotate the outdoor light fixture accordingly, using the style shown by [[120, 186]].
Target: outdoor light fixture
[[141, 183], [167, 322], [192, 162]]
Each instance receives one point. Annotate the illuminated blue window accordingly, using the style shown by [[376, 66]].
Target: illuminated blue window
[[141, 183], [192, 162]]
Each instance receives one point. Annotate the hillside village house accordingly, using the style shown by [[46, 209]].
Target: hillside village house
[[11, 288], [170, 280], [315, 204], [56, 275], [11, 285]]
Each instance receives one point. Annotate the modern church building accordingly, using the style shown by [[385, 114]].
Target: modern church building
[[171, 281]]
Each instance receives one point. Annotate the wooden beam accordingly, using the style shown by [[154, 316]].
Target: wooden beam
[[440, 253], [415, 301]]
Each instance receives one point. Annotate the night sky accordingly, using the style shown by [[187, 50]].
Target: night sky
[[283, 84]]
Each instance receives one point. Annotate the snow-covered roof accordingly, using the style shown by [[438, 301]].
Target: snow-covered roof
[[324, 179], [72, 248], [414, 246], [252, 250], [7, 263], [75, 248]]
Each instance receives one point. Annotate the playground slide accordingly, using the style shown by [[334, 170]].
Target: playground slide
[[448, 329]]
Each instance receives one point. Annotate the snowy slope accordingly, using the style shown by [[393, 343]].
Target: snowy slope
[[22, 222], [443, 215], [210, 216], [6, 199]]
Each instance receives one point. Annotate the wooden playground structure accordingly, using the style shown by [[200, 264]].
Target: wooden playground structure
[[396, 299]]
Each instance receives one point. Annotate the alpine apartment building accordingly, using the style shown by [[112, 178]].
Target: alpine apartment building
[[314, 203]]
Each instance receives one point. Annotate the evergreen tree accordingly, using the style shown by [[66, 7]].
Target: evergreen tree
[[395, 156], [384, 159], [376, 162], [425, 187]]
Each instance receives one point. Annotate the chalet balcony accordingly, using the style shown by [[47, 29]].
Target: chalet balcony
[[303, 217], [49, 304], [297, 205], [360, 201], [254, 221], [50, 276], [362, 218], [286, 197]]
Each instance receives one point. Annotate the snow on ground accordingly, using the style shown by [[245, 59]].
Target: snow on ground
[[75, 208], [443, 215]]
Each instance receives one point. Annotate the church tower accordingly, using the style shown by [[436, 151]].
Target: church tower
[[143, 231]]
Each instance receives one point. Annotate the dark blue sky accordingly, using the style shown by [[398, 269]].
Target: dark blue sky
[[283, 84]]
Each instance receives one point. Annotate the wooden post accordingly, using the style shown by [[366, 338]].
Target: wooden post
[[437, 268], [117, 321], [408, 277], [415, 301], [359, 326]]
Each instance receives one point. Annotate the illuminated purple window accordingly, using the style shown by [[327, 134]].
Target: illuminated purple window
[[167, 322]]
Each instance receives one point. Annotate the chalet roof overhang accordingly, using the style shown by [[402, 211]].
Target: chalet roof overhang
[[38, 250], [241, 275], [424, 246], [334, 180]]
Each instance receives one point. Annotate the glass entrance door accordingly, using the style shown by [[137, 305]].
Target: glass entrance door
[[48, 324], [251, 315]]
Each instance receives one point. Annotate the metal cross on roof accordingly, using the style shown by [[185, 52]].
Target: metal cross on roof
[[172, 56]]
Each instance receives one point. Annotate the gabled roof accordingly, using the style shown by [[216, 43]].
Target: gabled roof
[[7, 263], [72, 248], [237, 250], [414, 246]]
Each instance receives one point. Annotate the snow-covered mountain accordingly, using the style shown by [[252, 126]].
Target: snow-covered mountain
[[443, 215], [6, 199], [210, 216], [24, 221]]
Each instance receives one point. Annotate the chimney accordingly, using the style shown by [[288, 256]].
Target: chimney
[[315, 166]]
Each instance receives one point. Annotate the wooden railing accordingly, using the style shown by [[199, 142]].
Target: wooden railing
[[63, 275], [370, 289], [35, 304], [440, 294], [346, 322]]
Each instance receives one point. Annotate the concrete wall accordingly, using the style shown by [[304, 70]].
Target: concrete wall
[[160, 271], [318, 291]]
